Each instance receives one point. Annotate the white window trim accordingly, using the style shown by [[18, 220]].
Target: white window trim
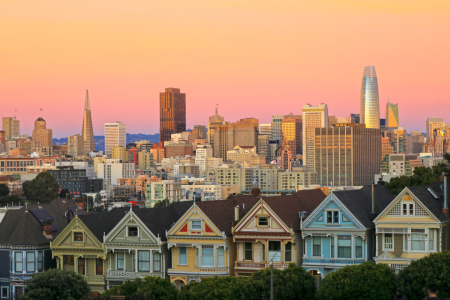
[[195, 220], [407, 208], [214, 257], [339, 217], [7, 292], [187, 257], [312, 247], [223, 247], [425, 233], [117, 260], [160, 261], [384, 243]]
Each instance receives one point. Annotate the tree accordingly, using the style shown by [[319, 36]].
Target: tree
[[292, 283], [150, 287], [43, 188], [55, 284], [4, 190], [10, 200], [365, 281], [98, 199], [25, 186], [63, 193], [218, 288], [433, 268], [163, 203]]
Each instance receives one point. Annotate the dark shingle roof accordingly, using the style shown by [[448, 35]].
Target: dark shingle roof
[[433, 204], [102, 223], [359, 202]]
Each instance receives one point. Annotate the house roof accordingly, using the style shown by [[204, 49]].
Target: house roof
[[6, 178], [102, 223], [434, 205], [359, 202], [287, 207], [22, 227]]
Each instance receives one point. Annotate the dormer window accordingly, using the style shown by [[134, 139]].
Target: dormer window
[[263, 221], [196, 225], [333, 217], [133, 231], [78, 236], [408, 209]]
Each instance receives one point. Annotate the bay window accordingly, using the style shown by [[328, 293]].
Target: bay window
[[156, 262], [344, 246], [99, 266], [332, 246], [431, 240], [40, 264], [288, 252], [317, 246], [182, 256], [120, 260], [274, 249], [417, 239], [19, 261], [30, 262], [220, 257], [248, 251], [358, 247], [81, 266], [208, 255], [388, 242]]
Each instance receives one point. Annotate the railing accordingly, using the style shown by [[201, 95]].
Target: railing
[[333, 261], [250, 265], [122, 274]]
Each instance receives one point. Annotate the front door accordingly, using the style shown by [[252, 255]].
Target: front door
[[19, 292]]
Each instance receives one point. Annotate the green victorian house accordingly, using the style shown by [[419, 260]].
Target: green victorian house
[[80, 248], [137, 245]]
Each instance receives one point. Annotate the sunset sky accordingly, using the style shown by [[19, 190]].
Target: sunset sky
[[255, 58]]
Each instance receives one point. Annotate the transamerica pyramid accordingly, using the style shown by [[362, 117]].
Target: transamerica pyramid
[[88, 132]]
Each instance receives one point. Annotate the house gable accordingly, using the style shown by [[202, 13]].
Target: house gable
[[324, 216], [195, 223], [406, 207], [71, 235], [261, 219], [131, 230]]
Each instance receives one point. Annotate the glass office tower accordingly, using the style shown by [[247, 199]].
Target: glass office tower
[[369, 102]]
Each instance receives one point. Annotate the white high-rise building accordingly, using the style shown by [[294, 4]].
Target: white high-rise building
[[114, 169], [203, 152], [115, 134], [313, 117], [265, 129], [276, 130]]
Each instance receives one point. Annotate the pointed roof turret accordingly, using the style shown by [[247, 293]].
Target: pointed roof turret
[[87, 105]]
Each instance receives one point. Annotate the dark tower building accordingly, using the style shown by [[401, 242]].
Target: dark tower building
[[172, 113]]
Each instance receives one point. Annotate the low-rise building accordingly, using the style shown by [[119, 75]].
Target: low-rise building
[[76, 181], [139, 183], [297, 179], [158, 191], [242, 177], [113, 169], [241, 154]]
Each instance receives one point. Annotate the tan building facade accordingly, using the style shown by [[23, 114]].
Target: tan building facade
[[42, 137], [75, 145], [87, 131]]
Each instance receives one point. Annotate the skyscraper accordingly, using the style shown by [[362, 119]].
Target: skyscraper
[[369, 109], [75, 145], [347, 155], [15, 128], [292, 134], [87, 132], [42, 137], [313, 117], [432, 124], [397, 138], [276, 128], [115, 134], [392, 118], [226, 136], [172, 106], [7, 127]]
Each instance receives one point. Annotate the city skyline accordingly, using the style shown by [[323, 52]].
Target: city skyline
[[233, 54]]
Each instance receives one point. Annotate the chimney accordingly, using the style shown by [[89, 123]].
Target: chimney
[[445, 208], [373, 215], [236, 213], [47, 228]]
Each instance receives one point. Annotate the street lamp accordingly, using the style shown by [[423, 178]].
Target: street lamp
[[271, 274]]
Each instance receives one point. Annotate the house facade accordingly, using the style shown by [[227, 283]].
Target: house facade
[[412, 226], [340, 231]]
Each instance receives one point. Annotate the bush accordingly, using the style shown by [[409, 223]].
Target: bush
[[56, 284], [291, 283], [218, 288], [365, 281], [43, 188], [433, 268], [149, 287]]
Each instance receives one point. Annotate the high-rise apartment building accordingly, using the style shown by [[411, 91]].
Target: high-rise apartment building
[[213, 121], [264, 145], [313, 117], [7, 127], [369, 109], [145, 160], [75, 145], [397, 138], [203, 152], [432, 124], [347, 155], [392, 117], [172, 106], [87, 132], [276, 128], [386, 147], [354, 118], [119, 152], [15, 128], [415, 142], [291, 130], [113, 169], [115, 134], [42, 137]]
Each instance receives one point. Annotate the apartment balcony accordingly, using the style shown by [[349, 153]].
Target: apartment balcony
[[244, 265], [332, 261]]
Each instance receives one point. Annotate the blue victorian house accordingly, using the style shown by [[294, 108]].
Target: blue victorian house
[[340, 231]]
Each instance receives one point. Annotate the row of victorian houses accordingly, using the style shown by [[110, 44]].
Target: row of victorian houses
[[189, 241]]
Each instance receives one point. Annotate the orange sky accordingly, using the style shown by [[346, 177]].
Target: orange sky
[[254, 58]]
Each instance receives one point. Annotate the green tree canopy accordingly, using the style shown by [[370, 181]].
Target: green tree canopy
[[56, 284], [150, 287], [4, 190], [163, 203], [289, 284], [433, 268], [368, 281], [43, 188], [10, 200], [218, 288]]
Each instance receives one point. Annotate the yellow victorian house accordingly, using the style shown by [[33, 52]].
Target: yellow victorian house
[[80, 248], [415, 224], [201, 243]]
